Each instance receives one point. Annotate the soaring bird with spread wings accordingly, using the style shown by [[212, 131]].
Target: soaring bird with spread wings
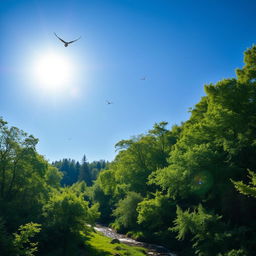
[[66, 43]]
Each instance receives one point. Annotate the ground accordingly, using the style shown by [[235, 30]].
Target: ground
[[100, 245]]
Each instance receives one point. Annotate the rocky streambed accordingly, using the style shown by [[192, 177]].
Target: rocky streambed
[[153, 250]]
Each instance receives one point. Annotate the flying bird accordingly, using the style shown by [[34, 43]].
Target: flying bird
[[109, 102], [143, 78], [66, 43]]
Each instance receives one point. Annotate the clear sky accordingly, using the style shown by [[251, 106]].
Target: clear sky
[[178, 46]]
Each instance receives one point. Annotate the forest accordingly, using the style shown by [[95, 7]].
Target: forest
[[190, 188]]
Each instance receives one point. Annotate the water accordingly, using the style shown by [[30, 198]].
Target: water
[[153, 250]]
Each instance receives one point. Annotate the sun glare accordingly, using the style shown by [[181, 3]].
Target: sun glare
[[53, 72]]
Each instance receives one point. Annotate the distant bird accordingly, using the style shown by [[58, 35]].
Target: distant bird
[[143, 78], [109, 102], [66, 43]]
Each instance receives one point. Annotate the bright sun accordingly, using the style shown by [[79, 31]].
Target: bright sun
[[53, 73]]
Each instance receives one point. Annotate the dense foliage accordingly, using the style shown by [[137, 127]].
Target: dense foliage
[[36, 214], [73, 171], [180, 187]]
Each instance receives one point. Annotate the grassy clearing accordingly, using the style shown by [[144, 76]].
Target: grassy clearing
[[99, 245]]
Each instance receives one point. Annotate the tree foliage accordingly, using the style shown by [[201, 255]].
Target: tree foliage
[[192, 166], [22, 240], [125, 212], [31, 198], [249, 190], [74, 171]]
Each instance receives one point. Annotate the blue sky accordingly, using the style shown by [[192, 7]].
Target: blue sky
[[178, 45]]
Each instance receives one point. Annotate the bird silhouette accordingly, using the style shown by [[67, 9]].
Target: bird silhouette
[[109, 102], [66, 43]]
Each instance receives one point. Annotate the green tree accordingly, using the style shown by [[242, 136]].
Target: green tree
[[125, 212], [155, 212], [249, 190], [70, 170], [84, 172], [22, 240], [215, 145], [208, 235], [16, 149], [66, 216], [26, 178], [106, 202], [140, 156]]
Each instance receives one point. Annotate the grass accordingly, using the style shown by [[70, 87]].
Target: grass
[[99, 245]]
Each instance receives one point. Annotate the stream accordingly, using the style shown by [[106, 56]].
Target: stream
[[153, 250]]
